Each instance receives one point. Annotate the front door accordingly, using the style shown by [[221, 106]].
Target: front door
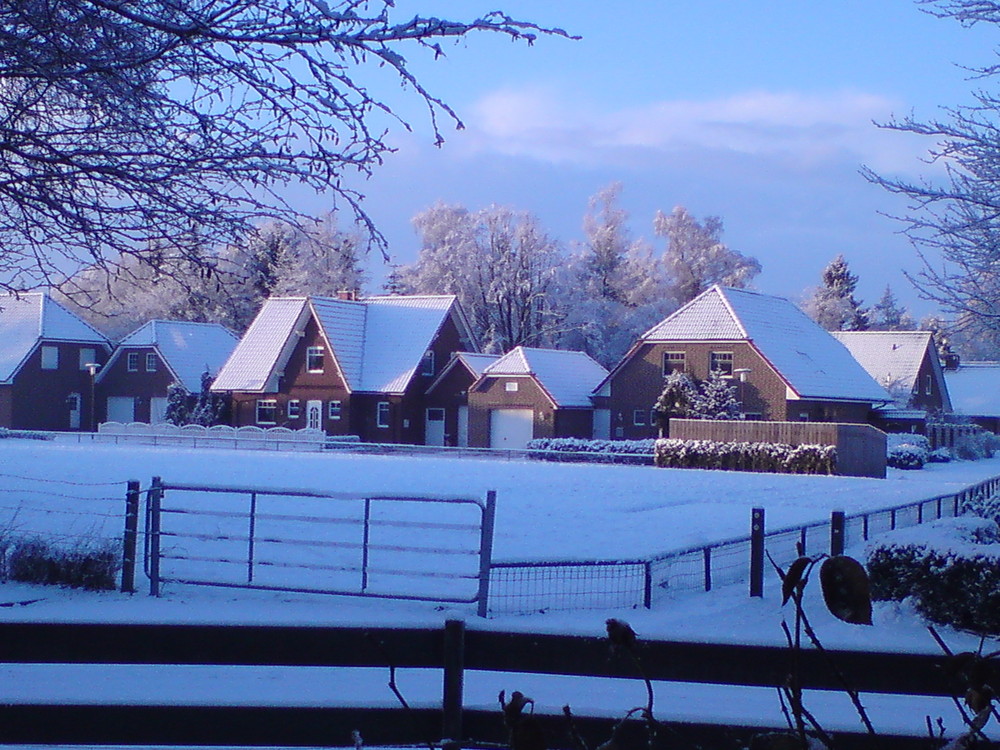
[[434, 427], [314, 415], [73, 402]]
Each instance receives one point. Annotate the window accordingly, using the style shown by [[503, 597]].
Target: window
[[132, 361], [510, 386], [151, 362], [293, 409], [722, 362], [267, 411], [314, 359], [88, 356], [673, 362], [639, 417], [382, 414], [334, 409], [928, 384], [50, 357], [427, 363]]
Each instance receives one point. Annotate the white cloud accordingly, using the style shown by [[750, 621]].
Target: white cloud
[[807, 130]]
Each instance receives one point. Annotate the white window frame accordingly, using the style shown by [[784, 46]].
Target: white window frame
[[928, 384], [427, 363], [334, 409], [293, 408], [510, 386], [88, 356], [266, 404], [382, 415], [151, 362], [639, 417], [679, 357], [313, 353], [50, 357], [132, 361], [715, 357]]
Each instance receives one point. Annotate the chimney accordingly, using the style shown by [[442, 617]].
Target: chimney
[[348, 295]]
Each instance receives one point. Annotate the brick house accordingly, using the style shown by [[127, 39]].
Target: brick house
[[533, 393], [132, 386], [346, 366], [447, 399], [906, 364], [974, 388], [47, 365], [785, 366]]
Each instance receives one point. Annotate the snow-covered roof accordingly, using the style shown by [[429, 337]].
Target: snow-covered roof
[[975, 389], [811, 361], [187, 349], [30, 318], [569, 378], [377, 342], [893, 358], [476, 363]]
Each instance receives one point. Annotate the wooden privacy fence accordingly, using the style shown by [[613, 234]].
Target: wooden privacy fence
[[453, 649]]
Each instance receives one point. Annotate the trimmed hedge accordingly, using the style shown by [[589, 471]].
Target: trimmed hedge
[[954, 579], [763, 457], [597, 451], [6, 432], [93, 567]]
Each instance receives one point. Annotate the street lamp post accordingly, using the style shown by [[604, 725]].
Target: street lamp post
[[92, 368], [743, 372]]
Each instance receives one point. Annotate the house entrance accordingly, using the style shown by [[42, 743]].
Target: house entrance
[[434, 427], [73, 402], [314, 415]]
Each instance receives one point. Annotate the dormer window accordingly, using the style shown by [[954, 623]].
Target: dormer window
[[314, 359]]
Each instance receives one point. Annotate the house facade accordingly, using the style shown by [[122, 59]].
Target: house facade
[[447, 399], [907, 365], [48, 361], [974, 388], [133, 385], [348, 367], [533, 393], [784, 366]]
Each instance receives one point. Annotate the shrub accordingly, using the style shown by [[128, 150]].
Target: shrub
[[953, 578], [599, 451], [23, 434], [907, 451], [88, 566], [769, 457]]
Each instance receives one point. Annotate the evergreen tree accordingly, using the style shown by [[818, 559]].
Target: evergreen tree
[[833, 305], [177, 405], [717, 398], [208, 407], [888, 315], [676, 399]]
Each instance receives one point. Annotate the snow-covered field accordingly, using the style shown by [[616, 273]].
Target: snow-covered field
[[544, 511]]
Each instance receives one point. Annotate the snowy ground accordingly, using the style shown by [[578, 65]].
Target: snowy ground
[[545, 511]]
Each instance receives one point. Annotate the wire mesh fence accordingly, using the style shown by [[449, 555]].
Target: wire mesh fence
[[531, 587]]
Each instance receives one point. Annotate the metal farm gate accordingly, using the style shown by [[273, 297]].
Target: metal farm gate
[[387, 546]]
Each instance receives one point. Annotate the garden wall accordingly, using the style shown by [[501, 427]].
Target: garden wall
[[860, 447]]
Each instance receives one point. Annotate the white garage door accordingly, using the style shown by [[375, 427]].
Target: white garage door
[[121, 409], [511, 428]]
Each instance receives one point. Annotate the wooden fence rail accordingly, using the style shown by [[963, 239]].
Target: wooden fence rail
[[452, 649]]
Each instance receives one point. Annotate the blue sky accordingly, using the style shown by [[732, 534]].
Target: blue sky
[[759, 113]]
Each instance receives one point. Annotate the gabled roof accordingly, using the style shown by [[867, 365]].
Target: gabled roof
[[377, 343], [474, 363], [975, 389], [893, 358], [28, 319], [187, 349], [569, 378], [812, 362]]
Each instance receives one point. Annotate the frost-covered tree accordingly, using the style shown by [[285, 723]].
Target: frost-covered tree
[[888, 315], [177, 412], [695, 257], [128, 125], [208, 406], [677, 398], [716, 398], [498, 262], [833, 305]]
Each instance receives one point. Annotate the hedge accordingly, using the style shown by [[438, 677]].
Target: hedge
[[597, 451], [763, 457]]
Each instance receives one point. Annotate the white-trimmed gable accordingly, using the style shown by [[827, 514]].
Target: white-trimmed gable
[[892, 358], [569, 378]]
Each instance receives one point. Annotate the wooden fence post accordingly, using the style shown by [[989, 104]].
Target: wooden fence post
[[153, 503], [129, 541], [757, 552], [836, 533], [454, 667]]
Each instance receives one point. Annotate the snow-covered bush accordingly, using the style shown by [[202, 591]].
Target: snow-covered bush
[[950, 568], [600, 451], [976, 445], [905, 450], [766, 457], [89, 566], [23, 434]]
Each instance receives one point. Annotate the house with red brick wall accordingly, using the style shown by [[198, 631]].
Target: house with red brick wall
[[447, 399], [48, 357], [346, 366], [906, 364], [785, 367], [133, 385], [533, 393]]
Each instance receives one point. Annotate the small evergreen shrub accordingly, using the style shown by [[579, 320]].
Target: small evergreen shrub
[[761, 457], [598, 451], [94, 567], [23, 434], [907, 451], [953, 578]]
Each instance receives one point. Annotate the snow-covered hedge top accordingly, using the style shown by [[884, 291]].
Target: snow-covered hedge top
[[964, 536], [580, 445], [895, 439]]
